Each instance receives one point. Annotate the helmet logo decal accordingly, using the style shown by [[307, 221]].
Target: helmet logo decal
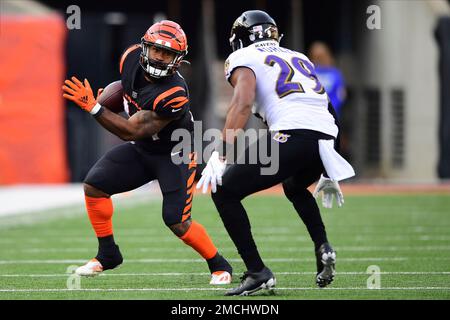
[[257, 28], [163, 43]]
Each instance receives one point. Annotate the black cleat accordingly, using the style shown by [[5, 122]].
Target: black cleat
[[326, 260], [254, 281]]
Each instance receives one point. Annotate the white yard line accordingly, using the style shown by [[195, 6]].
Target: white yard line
[[177, 274], [219, 289]]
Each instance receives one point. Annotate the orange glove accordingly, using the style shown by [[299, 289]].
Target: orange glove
[[81, 94]]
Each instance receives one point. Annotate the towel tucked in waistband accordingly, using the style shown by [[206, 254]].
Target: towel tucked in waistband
[[335, 165]]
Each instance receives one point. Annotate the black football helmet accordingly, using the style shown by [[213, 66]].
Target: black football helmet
[[252, 26]]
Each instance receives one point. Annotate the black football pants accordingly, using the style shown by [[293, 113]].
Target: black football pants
[[299, 166], [127, 167]]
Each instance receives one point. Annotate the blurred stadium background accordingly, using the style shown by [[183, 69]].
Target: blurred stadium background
[[395, 121]]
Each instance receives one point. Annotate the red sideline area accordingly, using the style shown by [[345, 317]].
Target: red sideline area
[[32, 135]]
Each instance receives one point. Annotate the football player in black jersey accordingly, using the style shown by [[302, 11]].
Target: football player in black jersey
[[157, 103]]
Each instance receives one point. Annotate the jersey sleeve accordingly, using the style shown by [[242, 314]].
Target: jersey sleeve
[[238, 59], [172, 103], [126, 54]]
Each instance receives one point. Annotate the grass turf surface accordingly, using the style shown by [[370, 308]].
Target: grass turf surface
[[406, 236]]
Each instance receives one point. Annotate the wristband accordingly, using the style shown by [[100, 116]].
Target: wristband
[[96, 109]]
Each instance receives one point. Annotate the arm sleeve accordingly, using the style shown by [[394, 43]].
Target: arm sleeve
[[171, 103]]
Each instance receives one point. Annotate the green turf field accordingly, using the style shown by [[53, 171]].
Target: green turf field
[[407, 237]]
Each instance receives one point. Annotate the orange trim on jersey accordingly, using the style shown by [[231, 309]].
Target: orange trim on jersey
[[177, 99], [179, 105], [132, 101], [126, 53], [165, 94]]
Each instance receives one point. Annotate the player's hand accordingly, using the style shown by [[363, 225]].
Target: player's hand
[[329, 188], [80, 93], [99, 92], [212, 174]]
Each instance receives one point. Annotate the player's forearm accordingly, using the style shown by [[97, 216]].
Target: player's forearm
[[236, 120], [244, 83], [121, 127]]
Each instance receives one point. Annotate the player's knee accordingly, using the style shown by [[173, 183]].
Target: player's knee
[[288, 189], [180, 229], [293, 192], [223, 195], [93, 192]]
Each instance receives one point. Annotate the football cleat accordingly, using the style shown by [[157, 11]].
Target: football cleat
[[253, 282], [326, 260], [220, 278], [90, 269]]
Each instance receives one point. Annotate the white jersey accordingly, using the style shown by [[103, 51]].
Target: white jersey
[[288, 93]]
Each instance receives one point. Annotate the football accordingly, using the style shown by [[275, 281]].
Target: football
[[112, 97]]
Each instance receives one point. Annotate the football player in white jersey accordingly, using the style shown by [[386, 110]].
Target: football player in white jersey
[[280, 86]]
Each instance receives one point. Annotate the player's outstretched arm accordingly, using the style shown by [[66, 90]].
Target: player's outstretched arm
[[142, 124], [244, 82]]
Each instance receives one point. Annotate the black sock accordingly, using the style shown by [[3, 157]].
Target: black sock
[[106, 242], [219, 263], [108, 253]]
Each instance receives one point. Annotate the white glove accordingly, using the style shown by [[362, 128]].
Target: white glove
[[329, 188], [212, 174]]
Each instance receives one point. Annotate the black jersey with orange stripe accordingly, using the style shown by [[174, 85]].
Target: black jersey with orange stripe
[[167, 96]]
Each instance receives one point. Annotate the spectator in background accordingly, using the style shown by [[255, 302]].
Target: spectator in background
[[333, 81], [329, 75]]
